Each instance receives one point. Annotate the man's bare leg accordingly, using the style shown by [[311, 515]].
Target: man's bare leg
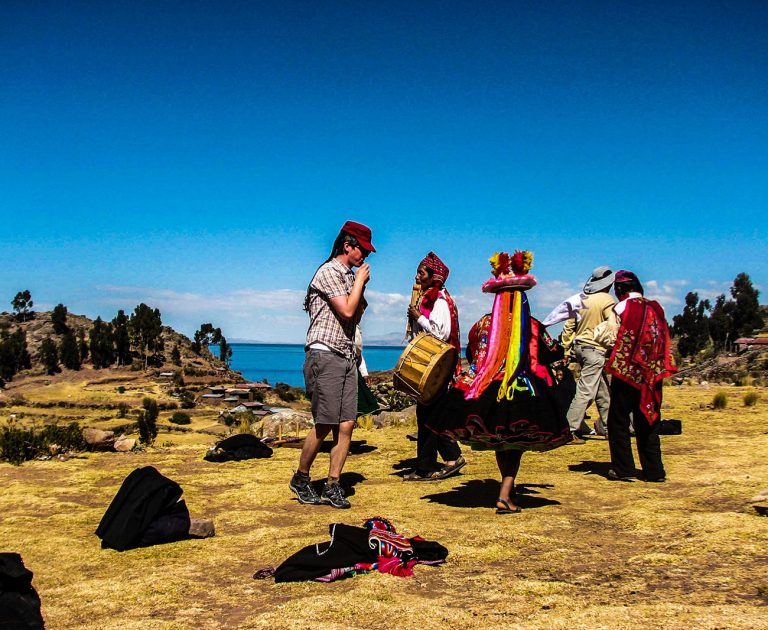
[[312, 445], [342, 437]]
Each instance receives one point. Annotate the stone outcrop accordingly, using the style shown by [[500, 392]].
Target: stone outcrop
[[99, 440]]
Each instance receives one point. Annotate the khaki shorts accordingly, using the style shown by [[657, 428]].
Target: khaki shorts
[[331, 384]]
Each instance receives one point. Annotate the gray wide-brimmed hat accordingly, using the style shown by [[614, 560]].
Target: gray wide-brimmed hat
[[602, 278]]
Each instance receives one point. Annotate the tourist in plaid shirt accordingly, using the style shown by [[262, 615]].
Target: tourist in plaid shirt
[[335, 304]]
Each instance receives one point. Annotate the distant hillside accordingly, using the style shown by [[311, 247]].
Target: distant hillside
[[393, 339], [40, 327]]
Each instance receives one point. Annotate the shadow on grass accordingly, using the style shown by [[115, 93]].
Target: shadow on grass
[[404, 466], [479, 493], [356, 447], [348, 481], [592, 468]]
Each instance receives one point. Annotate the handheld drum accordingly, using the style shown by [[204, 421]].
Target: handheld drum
[[425, 367]]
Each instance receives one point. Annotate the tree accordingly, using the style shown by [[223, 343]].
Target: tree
[[692, 325], [49, 356], [122, 339], [746, 308], [148, 421], [22, 360], [14, 355], [82, 346], [721, 322], [68, 352], [146, 329], [102, 345], [205, 337], [22, 303], [225, 351], [176, 355], [59, 319]]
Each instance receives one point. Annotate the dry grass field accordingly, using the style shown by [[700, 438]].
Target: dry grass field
[[584, 553]]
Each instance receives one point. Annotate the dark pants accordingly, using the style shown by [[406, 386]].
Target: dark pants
[[429, 444], [625, 404]]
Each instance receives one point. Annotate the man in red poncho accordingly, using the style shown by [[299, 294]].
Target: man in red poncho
[[640, 360]]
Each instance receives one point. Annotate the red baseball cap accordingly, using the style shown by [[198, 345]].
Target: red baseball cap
[[361, 232]]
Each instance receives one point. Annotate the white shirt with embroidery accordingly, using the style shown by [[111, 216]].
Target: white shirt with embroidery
[[439, 322]]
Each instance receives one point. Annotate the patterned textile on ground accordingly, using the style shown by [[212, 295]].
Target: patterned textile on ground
[[356, 550], [642, 356], [508, 398]]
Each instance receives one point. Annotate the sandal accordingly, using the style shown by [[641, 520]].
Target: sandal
[[415, 476], [449, 470], [507, 509]]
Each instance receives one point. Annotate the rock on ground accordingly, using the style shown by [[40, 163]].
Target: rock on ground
[[99, 440]]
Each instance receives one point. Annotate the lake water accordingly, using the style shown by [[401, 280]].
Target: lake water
[[284, 363]]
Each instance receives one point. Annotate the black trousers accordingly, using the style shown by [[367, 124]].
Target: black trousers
[[625, 404], [429, 444]]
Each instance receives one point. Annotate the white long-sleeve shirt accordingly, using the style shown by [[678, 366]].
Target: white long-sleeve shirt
[[439, 322]]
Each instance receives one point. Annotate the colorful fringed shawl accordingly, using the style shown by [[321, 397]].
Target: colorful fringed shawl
[[641, 356], [509, 338]]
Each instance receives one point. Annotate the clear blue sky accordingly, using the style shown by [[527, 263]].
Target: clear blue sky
[[201, 156]]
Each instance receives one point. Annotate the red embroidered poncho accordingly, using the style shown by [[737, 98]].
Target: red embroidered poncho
[[641, 356]]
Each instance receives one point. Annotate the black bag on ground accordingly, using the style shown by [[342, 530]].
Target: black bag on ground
[[19, 601], [237, 448], [145, 511], [670, 427]]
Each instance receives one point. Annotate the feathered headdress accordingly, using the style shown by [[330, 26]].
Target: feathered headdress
[[522, 261], [500, 263]]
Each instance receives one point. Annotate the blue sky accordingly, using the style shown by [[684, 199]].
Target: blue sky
[[201, 156]]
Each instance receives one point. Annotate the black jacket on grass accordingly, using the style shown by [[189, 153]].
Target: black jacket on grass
[[19, 602], [238, 447], [145, 511]]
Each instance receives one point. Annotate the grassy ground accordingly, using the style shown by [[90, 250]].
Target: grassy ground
[[584, 553]]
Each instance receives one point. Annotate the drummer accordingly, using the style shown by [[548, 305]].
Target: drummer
[[436, 314]]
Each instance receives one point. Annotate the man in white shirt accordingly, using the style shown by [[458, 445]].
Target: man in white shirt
[[436, 314]]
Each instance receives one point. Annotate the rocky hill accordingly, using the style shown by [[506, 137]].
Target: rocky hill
[[40, 327]]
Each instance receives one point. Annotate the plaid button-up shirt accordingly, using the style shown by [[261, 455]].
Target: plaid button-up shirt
[[325, 325]]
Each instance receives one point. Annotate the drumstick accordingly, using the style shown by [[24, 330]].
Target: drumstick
[[415, 296]]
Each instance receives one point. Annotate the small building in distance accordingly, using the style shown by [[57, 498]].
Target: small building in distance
[[745, 343]]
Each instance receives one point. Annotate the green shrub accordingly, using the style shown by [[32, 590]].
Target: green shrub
[[397, 401], [719, 401], [121, 390], [18, 445], [750, 399], [287, 393], [181, 418], [187, 399], [122, 410]]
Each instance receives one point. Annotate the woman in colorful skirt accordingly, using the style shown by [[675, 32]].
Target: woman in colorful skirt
[[507, 400]]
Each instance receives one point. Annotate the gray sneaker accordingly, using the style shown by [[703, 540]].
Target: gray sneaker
[[333, 495], [304, 490]]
